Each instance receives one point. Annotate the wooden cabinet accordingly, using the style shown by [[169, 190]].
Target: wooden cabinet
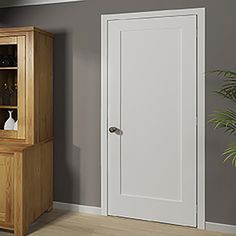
[[26, 142]]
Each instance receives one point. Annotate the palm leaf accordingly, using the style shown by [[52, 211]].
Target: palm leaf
[[230, 153], [226, 120], [229, 87], [225, 73]]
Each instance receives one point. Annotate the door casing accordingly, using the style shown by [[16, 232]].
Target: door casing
[[200, 14]]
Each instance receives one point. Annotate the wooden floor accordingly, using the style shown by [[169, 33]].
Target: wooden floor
[[61, 223]]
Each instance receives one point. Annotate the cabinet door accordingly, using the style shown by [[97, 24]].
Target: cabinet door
[[6, 190], [12, 87]]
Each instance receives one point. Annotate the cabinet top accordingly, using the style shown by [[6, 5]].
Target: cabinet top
[[24, 29]]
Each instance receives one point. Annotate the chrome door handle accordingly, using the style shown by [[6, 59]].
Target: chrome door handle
[[115, 130]]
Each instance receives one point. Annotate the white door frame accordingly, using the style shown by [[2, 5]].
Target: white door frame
[[200, 13]]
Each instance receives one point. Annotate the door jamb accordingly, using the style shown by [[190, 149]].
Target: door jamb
[[200, 13]]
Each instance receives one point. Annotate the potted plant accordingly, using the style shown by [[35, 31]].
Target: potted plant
[[226, 119]]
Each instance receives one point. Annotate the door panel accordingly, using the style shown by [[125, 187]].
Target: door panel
[[152, 99], [150, 89], [6, 189]]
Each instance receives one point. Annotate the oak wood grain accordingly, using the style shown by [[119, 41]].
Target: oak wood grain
[[26, 155], [6, 187]]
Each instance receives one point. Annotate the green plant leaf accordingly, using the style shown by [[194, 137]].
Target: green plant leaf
[[230, 153], [224, 73], [226, 120], [229, 87]]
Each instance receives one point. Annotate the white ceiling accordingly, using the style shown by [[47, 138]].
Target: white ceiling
[[17, 3]]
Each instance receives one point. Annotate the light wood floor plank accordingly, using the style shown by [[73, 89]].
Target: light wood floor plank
[[62, 223]]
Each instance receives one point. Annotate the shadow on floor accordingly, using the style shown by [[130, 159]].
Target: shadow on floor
[[5, 233], [45, 219]]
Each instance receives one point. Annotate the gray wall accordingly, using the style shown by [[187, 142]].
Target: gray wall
[[77, 93]]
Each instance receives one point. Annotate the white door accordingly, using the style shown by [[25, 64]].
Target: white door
[[152, 119]]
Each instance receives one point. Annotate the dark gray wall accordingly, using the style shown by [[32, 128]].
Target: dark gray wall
[[77, 93]]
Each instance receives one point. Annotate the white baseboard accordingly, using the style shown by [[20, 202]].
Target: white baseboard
[[77, 208], [223, 228], [19, 3]]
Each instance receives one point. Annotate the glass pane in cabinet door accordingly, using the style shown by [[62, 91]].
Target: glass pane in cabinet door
[[8, 56], [8, 87], [8, 119]]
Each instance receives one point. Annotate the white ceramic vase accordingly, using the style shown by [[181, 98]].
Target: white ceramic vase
[[9, 124], [16, 125]]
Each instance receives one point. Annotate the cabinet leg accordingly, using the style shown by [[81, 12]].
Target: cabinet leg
[[20, 231]]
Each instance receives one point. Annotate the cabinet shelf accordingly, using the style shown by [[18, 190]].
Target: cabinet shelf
[[8, 133], [7, 107], [8, 68]]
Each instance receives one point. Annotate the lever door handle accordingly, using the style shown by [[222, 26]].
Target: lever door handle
[[115, 130]]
